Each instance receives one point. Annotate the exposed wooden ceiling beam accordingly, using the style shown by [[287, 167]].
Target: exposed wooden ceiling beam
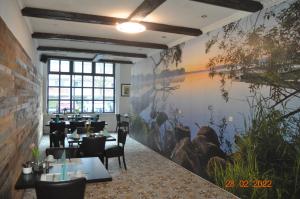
[[40, 35], [96, 19], [77, 50], [145, 9], [44, 58], [116, 61], [244, 5]]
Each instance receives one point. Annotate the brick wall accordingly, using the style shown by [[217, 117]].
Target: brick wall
[[20, 110]]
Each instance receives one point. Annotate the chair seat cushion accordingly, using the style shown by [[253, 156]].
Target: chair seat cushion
[[113, 151]]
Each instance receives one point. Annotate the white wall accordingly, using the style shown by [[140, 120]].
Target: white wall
[[124, 78], [10, 12]]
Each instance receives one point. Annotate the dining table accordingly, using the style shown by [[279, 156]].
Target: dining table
[[67, 122], [80, 116], [78, 139], [89, 167]]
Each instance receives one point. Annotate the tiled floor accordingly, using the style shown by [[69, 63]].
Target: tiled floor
[[149, 175]]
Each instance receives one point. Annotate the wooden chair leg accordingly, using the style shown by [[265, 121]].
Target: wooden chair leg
[[119, 161], [106, 162], [50, 138], [124, 162]]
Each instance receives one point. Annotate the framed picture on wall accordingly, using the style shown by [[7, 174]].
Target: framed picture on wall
[[125, 90]]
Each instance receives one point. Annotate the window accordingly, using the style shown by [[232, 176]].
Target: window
[[81, 86]]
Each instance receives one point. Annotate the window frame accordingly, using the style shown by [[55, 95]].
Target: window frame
[[71, 73]]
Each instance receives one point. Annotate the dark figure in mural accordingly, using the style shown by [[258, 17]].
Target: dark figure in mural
[[260, 54]]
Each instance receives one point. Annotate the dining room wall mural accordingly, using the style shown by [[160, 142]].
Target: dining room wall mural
[[226, 105]]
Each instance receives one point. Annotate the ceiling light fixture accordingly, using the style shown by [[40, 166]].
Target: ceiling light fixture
[[130, 27]]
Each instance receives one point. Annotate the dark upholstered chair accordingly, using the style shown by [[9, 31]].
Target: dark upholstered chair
[[57, 134], [73, 189], [118, 118], [124, 126], [71, 152], [117, 150], [98, 126], [75, 125], [93, 147]]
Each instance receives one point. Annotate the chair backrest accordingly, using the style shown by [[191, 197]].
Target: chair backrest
[[92, 146], [75, 124], [57, 134], [118, 117], [73, 189], [58, 138], [60, 127], [71, 152], [124, 125], [122, 134], [98, 126]]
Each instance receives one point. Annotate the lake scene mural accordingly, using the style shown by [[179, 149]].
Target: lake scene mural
[[226, 105]]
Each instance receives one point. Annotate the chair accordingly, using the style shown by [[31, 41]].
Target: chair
[[57, 134], [117, 150], [71, 152], [75, 124], [124, 126], [97, 126], [66, 189], [118, 117], [93, 147]]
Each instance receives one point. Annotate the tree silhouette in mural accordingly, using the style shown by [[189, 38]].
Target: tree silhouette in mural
[[162, 62], [166, 58], [261, 55]]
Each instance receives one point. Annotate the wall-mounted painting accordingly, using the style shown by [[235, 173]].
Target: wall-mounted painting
[[226, 105], [125, 90]]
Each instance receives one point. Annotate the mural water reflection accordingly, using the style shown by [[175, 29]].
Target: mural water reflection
[[197, 98]]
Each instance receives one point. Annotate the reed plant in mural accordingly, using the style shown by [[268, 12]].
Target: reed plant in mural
[[263, 56], [220, 126], [269, 150]]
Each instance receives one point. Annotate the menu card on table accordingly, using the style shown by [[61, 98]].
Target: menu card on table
[[57, 177]]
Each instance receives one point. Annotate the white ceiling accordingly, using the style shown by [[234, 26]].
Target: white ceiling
[[188, 13], [173, 12]]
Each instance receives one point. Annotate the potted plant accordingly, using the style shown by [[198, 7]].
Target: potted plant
[[36, 156]]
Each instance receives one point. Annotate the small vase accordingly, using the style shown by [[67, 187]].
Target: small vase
[[27, 170]]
